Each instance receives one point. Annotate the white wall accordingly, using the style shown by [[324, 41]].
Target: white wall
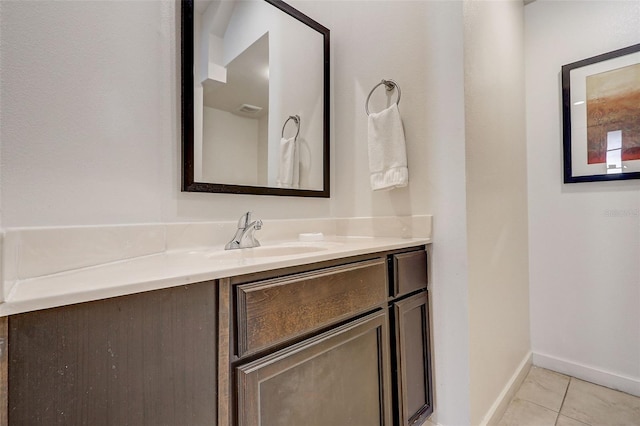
[[90, 133], [91, 120], [584, 238], [86, 122], [106, 146], [292, 70], [295, 65], [496, 166], [229, 148], [421, 49]]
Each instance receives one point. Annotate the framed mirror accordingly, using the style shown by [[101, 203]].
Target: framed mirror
[[255, 99]]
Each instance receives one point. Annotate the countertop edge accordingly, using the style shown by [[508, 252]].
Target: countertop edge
[[169, 269]]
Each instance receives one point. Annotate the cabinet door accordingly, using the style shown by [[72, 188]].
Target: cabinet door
[[413, 381], [4, 333], [337, 378], [143, 359]]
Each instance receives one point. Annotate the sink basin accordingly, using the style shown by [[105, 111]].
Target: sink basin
[[264, 251]]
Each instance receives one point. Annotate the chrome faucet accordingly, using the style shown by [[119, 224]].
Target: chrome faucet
[[245, 237]]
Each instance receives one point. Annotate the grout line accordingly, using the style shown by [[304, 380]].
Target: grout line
[[566, 391], [564, 396], [562, 405], [535, 403], [564, 399]]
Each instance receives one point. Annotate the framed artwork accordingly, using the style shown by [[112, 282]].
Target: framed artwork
[[601, 117]]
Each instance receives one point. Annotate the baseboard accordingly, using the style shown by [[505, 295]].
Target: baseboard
[[501, 403], [588, 373]]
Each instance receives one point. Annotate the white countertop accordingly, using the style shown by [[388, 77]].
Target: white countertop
[[180, 267]]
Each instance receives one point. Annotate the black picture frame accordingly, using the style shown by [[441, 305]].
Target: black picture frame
[[590, 107]]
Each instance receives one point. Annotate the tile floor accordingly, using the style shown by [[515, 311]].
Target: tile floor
[[547, 398]]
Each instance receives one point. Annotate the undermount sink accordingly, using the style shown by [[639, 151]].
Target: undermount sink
[[265, 251]]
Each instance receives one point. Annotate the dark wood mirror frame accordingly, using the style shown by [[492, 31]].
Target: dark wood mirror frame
[[187, 57]]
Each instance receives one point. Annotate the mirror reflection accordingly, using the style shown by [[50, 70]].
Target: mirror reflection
[[235, 120], [259, 100]]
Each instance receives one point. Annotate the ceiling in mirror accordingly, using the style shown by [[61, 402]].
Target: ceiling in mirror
[[255, 99]]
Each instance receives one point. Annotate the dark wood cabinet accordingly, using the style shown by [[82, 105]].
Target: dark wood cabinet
[[413, 384], [409, 315], [309, 346], [4, 370], [142, 359], [333, 378], [339, 342], [340, 377], [409, 272], [276, 310]]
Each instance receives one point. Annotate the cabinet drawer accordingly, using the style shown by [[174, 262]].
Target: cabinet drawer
[[410, 272], [273, 311]]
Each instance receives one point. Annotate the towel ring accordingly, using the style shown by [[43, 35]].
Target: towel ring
[[296, 119], [390, 85]]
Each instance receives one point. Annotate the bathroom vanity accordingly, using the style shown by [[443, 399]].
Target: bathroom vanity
[[329, 342]]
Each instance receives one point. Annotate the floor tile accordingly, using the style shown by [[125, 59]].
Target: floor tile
[[597, 405], [544, 387], [568, 421], [525, 413]]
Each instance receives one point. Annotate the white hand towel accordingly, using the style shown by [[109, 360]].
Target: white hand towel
[[289, 167], [387, 150]]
